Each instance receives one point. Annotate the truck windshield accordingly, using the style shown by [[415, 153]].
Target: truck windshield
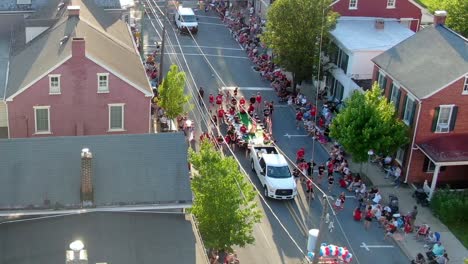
[[278, 172], [189, 18]]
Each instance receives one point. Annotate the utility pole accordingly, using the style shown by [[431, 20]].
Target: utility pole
[[322, 229], [163, 42]]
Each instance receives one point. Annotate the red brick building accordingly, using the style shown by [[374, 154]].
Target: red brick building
[[428, 83], [404, 10]]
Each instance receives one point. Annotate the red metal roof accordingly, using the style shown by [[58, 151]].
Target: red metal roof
[[447, 148]]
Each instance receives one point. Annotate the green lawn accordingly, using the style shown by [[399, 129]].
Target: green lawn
[[423, 3], [461, 232]]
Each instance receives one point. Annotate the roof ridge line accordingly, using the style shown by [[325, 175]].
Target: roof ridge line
[[454, 32], [120, 43]]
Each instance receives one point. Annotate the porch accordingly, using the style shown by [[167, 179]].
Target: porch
[[445, 151]]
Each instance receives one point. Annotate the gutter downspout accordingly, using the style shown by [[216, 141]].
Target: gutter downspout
[[412, 142]]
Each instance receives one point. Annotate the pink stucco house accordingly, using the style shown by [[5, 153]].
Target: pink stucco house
[[82, 76]]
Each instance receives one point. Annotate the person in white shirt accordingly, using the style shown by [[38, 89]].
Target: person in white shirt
[[377, 198]]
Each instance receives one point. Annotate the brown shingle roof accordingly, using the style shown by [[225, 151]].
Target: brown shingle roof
[[447, 148]]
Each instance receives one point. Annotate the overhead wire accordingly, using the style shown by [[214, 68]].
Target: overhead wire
[[224, 141]]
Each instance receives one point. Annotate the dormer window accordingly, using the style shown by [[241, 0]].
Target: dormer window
[[54, 84], [103, 82], [391, 3], [353, 4]]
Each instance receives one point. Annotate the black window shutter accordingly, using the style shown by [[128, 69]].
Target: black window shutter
[[412, 113], [434, 120], [402, 114], [397, 103], [384, 88], [453, 119], [425, 164]]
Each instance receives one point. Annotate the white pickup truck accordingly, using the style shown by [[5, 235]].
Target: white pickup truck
[[273, 171]]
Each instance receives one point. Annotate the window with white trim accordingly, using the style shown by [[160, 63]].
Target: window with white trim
[[409, 110], [391, 3], [381, 80], [400, 155], [54, 84], [465, 86], [443, 121], [353, 4], [103, 82], [42, 119], [116, 117]]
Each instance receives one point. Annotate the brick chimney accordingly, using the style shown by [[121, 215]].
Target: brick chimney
[[87, 196], [73, 10], [379, 23], [78, 47], [439, 17]]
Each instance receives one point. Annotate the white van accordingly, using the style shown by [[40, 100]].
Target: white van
[[186, 20]]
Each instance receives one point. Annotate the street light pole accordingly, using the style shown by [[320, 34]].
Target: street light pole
[[163, 43], [321, 230]]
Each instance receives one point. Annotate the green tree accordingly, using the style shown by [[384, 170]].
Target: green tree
[[293, 32], [367, 122], [457, 13], [171, 93], [224, 201]]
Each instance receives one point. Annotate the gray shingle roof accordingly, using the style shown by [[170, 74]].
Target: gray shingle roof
[[117, 238], [127, 169], [108, 40], [427, 61]]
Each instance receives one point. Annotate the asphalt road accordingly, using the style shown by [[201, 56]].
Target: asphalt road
[[281, 237]]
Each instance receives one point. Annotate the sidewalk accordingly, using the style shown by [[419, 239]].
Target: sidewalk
[[409, 245]]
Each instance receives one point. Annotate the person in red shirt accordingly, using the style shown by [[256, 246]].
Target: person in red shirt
[[232, 110], [300, 155], [251, 109], [219, 99], [242, 102], [299, 116], [243, 129], [313, 111], [357, 214], [211, 100], [259, 100], [221, 114], [321, 122]]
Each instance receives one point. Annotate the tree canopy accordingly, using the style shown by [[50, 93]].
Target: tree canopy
[[368, 122], [457, 13], [171, 93], [224, 201], [293, 32]]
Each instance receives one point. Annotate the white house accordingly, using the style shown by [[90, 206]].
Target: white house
[[355, 41]]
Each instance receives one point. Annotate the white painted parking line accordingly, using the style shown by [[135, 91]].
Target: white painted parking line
[[289, 136], [208, 23], [208, 55], [208, 16], [203, 47], [368, 247], [247, 88]]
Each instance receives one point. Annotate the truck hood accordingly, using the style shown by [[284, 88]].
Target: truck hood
[[284, 183]]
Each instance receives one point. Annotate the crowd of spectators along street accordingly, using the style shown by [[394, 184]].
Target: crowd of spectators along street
[[370, 207]]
